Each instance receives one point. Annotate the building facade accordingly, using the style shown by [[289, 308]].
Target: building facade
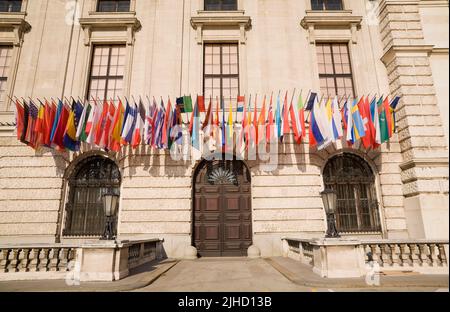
[[95, 48]]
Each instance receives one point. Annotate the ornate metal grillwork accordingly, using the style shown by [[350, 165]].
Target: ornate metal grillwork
[[223, 172], [94, 177], [357, 206]]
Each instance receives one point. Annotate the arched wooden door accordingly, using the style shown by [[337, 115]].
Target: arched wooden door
[[222, 209]]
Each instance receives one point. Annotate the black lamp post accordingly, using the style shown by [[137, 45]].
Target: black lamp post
[[329, 198], [110, 201]]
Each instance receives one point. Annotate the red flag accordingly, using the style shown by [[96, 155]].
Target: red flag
[[255, 119], [101, 124], [286, 127], [295, 126], [165, 132], [363, 107], [20, 117], [49, 116], [208, 116], [201, 104], [262, 122], [107, 129], [270, 117]]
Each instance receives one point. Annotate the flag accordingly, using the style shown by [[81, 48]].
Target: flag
[[159, 124], [364, 108], [82, 124], [286, 126], [50, 112], [336, 121], [166, 126], [70, 134], [240, 104], [196, 128], [393, 107], [296, 123], [319, 127], [201, 104], [129, 124], [58, 138], [387, 109], [270, 120], [117, 126], [230, 133], [56, 120], [99, 128], [20, 121], [255, 121], [349, 117], [91, 125], [187, 100], [376, 134], [224, 133], [39, 126], [311, 101], [358, 122], [31, 136], [262, 123], [207, 121], [180, 104], [300, 107], [384, 127], [278, 118], [106, 133]]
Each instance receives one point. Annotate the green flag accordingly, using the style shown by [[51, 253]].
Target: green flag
[[384, 129], [187, 100]]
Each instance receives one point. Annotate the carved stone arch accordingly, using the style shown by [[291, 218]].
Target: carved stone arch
[[354, 180], [86, 179]]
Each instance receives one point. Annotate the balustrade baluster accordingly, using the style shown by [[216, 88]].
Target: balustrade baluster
[[13, 261], [395, 252], [43, 259], [23, 260], [54, 259], [442, 254], [405, 255], [386, 255], [34, 260], [414, 254], [435, 262], [4, 260], [423, 249], [63, 260], [376, 254]]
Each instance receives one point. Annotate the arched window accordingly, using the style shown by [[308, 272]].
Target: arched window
[[91, 179], [357, 206]]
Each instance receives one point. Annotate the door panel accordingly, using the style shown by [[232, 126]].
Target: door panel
[[222, 216]]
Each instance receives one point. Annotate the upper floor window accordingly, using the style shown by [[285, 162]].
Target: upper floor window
[[221, 5], [10, 5], [323, 5], [357, 206], [85, 214], [5, 64], [221, 71], [335, 71], [113, 6], [107, 72]]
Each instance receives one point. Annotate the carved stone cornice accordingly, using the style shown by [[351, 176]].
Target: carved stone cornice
[[221, 19], [331, 19], [405, 50], [117, 21], [16, 23]]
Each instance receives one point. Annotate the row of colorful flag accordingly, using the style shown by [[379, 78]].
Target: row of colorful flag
[[65, 124]]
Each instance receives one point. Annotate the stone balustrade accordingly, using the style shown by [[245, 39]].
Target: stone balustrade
[[100, 261], [342, 258]]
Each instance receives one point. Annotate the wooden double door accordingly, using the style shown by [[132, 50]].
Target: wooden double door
[[222, 209]]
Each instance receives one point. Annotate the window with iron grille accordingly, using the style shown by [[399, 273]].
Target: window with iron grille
[[357, 206], [221, 71], [323, 5], [85, 214], [5, 66], [113, 6], [10, 5], [335, 70], [107, 71], [221, 5]]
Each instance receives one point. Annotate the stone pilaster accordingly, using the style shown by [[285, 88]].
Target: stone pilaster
[[420, 131]]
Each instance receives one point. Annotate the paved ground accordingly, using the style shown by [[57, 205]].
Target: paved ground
[[236, 274]]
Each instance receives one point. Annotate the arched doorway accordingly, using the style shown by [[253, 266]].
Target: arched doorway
[[222, 217], [357, 205]]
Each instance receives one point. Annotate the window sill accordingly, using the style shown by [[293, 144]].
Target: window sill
[[120, 21], [342, 20], [16, 22], [221, 20]]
